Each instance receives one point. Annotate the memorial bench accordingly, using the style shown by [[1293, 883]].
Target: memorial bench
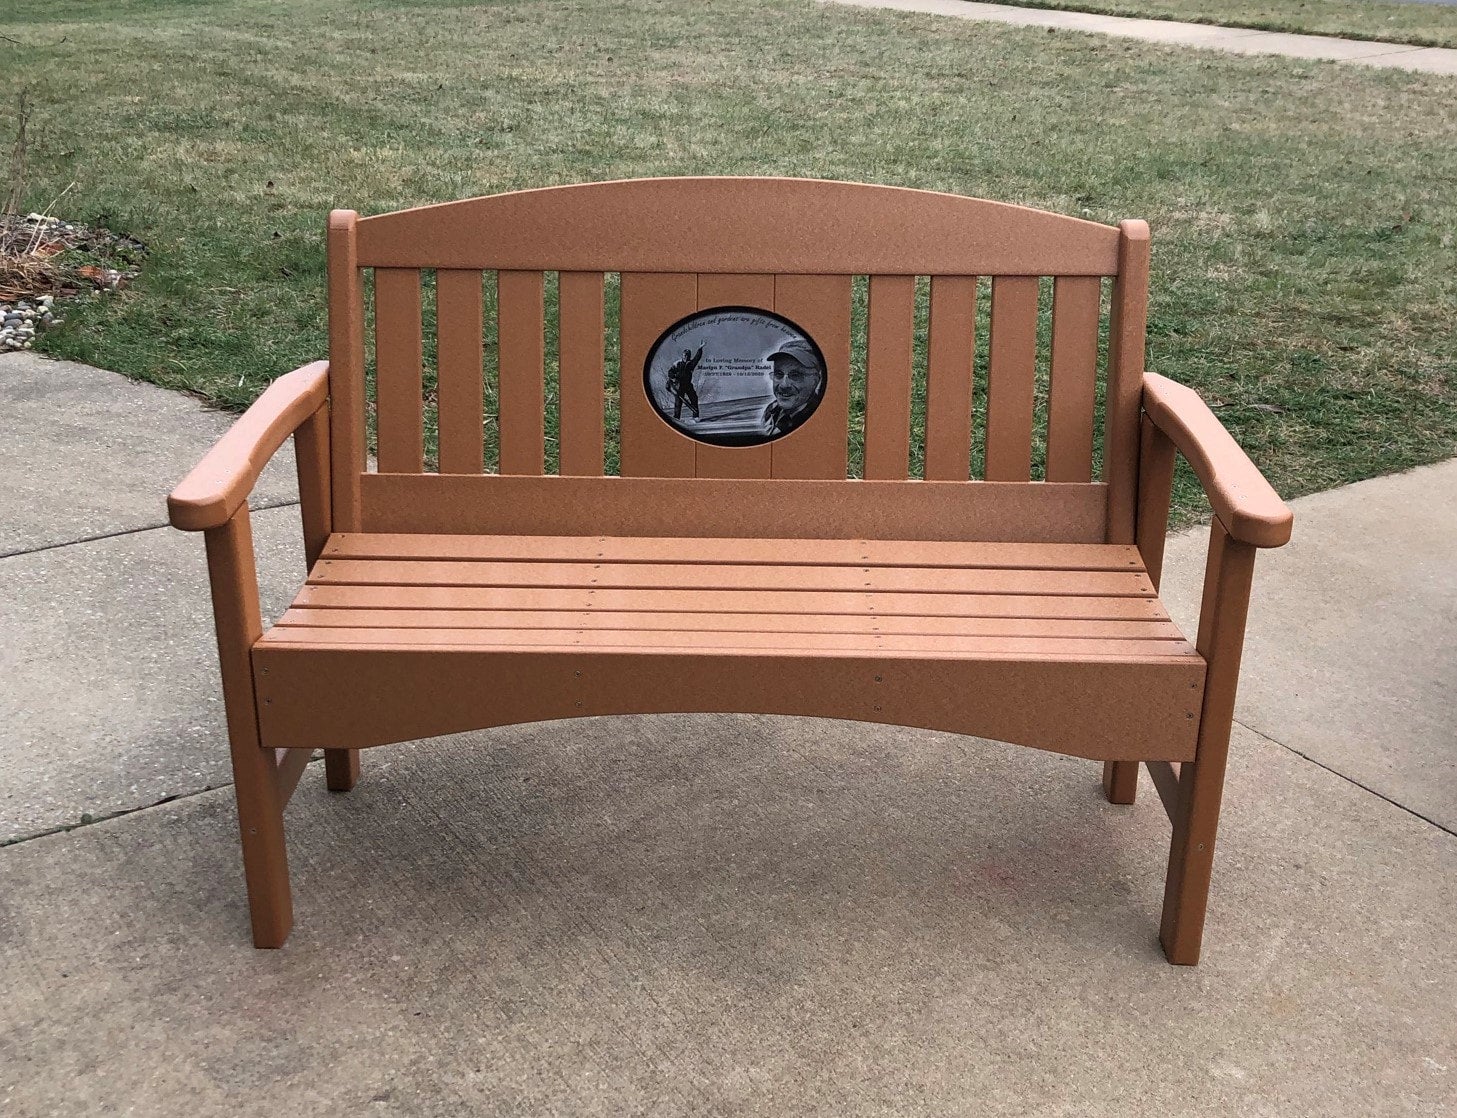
[[734, 555]]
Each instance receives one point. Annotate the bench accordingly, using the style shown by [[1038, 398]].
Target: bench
[[733, 564]]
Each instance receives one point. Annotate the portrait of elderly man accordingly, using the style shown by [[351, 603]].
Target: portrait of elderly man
[[796, 379]]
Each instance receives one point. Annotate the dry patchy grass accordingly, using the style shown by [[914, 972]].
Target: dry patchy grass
[[1303, 214]]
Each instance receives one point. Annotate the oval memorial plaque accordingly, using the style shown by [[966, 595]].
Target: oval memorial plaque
[[735, 376]]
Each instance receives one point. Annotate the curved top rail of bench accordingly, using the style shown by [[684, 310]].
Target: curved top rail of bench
[[739, 225]]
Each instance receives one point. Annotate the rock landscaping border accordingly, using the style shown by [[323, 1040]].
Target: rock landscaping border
[[43, 258]]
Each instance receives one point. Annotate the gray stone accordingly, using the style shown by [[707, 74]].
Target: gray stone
[[1353, 634], [111, 698], [736, 915], [90, 453]]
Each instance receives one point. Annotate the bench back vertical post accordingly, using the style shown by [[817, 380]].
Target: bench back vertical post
[[346, 369], [1127, 329]]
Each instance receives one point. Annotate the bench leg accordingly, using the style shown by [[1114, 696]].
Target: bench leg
[[256, 776], [1120, 781], [1227, 578], [265, 857], [341, 769], [1191, 859]]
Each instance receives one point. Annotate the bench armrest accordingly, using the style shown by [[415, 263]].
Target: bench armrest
[[1249, 508], [221, 482]]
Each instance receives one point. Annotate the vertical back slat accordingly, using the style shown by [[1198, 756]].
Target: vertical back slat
[[346, 370], [399, 419], [1072, 387], [651, 302], [522, 376], [1011, 378], [889, 343], [580, 373], [949, 362], [820, 306], [1126, 328], [729, 290], [460, 352]]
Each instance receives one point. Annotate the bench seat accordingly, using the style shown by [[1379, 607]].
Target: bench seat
[[1052, 645]]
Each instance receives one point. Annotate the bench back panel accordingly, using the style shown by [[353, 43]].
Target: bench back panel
[[682, 245]]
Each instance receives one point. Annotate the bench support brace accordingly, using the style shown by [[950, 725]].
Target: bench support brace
[[1166, 782]]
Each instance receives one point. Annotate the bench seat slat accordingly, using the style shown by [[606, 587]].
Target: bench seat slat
[[625, 549], [939, 646], [914, 644], [447, 619], [763, 576], [731, 601]]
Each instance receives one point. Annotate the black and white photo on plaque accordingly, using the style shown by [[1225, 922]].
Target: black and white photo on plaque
[[735, 376]]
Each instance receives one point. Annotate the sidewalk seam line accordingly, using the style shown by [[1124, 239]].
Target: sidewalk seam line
[[1348, 779], [66, 828], [122, 532], [1388, 53]]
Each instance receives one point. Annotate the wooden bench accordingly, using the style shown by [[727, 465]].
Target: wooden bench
[[733, 555]]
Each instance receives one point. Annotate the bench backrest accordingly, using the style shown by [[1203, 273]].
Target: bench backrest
[[791, 246]]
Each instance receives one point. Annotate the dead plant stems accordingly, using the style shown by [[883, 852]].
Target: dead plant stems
[[17, 158]]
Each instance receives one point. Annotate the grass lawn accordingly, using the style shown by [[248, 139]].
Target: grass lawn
[[1392, 21], [1303, 214]]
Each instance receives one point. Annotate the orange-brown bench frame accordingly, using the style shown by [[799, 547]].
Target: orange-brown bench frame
[[1149, 419]]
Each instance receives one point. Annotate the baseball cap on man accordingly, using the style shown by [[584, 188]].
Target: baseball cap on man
[[797, 349]]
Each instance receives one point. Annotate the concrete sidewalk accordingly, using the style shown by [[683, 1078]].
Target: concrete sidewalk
[[1236, 40], [707, 914]]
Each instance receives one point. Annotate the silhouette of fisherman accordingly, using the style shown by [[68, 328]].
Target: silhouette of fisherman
[[680, 382]]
